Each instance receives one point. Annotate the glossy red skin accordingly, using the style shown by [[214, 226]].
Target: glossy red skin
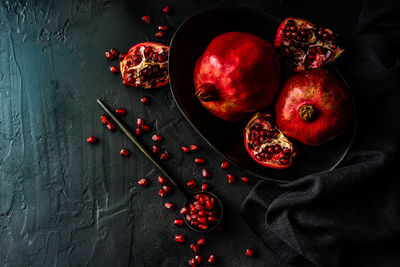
[[244, 68], [327, 94]]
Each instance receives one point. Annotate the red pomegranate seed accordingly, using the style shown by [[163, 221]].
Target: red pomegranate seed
[[146, 18], [114, 69], [178, 222], [110, 126], [245, 179], [156, 149], [198, 258], [122, 56], [194, 247], [167, 189], [204, 187], [183, 210], [192, 262], [203, 227], [194, 147], [125, 152], [185, 149], [120, 112], [231, 178], [160, 34], [138, 131], [165, 10], [162, 180], [180, 238], [212, 259], [225, 165], [91, 139], [104, 119], [162, 193], [145, 100], [164, 156], [139, 122], [157, 138], [114, 52], [163, 28], [191, 184], [250, 252], [170, 206], [143, 182], [146, 128], [199, 161], [206, 174], [209, 205], [109, 55], [201, 242]]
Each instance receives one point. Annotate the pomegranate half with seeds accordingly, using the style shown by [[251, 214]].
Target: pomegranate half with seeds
[[237, 75], [266, 144], [145, 66], [303, 46]]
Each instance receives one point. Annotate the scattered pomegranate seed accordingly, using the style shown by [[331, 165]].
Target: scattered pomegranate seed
[[146, 128], [205, 187], [164, 156], [180, 238], [166, 10], [110, 126], [194, 147], [245, 179], [145, 100], [160, 34], [162, 180], [170, 206], [125, 152], [143, 182], [178, 222], [199, 161], [198, 258], [250, 252], [139, 122], [231, 178], [103, 119], [183, 210], [206, 174], [157, 138], [203, 227], [122, 56], [163, 28], [162, 193], [185, 149], [146, 18], [109, 55], [191, 184], [212, 259], [225, 165], [114, 69], [194, 247], [192, 262], [138, 131], [91, 139], [201, 242], [156, 149], [114, 52], [120, 112], [167, 189]]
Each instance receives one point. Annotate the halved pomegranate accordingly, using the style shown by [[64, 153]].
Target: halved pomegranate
[[146, 66], [266, 144], [302, 45]]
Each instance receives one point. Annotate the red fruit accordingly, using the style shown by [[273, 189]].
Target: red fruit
[[122, 56], [167, 189], [209, 205], [185, 149], [225, 165], [178, 222], [205, 173], [110, 126], [166, 9], [198, 258], [114, 52], [194, 147], [170, 206], [212, 259], [191, 184], [266, 144], [114, 69], [91, 139], [250, 252], [109, 55], [164, 156], [125, 152], [160, 34], [314, 107], [199, 161], [157, 138], [138, 131], [162, 193], [183, 210], [139, 122], [143, 182], [192, 262], [104, 119], [120, 112], [180, 238], [203, 227], [146, 128], [231, 178], [204, 187], [156, 149], [304, 46], [146, 18], [163, 28], [146, 66], [201, 242], [237, 75], [162, 180], [145, 100], [194, 247], [245, 179]]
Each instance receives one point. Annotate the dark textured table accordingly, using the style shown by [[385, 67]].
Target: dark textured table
[[64, 202]]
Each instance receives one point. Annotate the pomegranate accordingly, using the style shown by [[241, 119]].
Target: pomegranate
[[266, 144], [313, 107], [237, 74], [146, 66], [304, 46]]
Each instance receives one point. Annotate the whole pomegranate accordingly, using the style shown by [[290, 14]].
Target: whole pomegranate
[[313, 107], [237, 74]]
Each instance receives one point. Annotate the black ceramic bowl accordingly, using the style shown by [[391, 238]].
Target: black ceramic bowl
[[187, 45]]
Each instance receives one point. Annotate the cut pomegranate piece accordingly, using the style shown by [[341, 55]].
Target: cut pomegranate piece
[[303, 46], [146, 66], [91, 139], [266, 144]]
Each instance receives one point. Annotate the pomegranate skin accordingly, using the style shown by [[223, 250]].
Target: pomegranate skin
[[331, 111], [238, 74]]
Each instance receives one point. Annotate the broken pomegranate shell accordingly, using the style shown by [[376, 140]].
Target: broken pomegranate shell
[[146, 66], [266, 144], [302, 46]]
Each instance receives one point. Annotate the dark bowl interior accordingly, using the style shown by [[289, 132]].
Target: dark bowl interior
[[187, 45]]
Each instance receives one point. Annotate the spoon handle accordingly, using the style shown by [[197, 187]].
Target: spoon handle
[[142, 148]]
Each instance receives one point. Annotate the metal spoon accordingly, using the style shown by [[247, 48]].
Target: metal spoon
[[189, 196]]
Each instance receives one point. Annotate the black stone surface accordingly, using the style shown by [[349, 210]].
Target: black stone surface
[[64, 202]]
